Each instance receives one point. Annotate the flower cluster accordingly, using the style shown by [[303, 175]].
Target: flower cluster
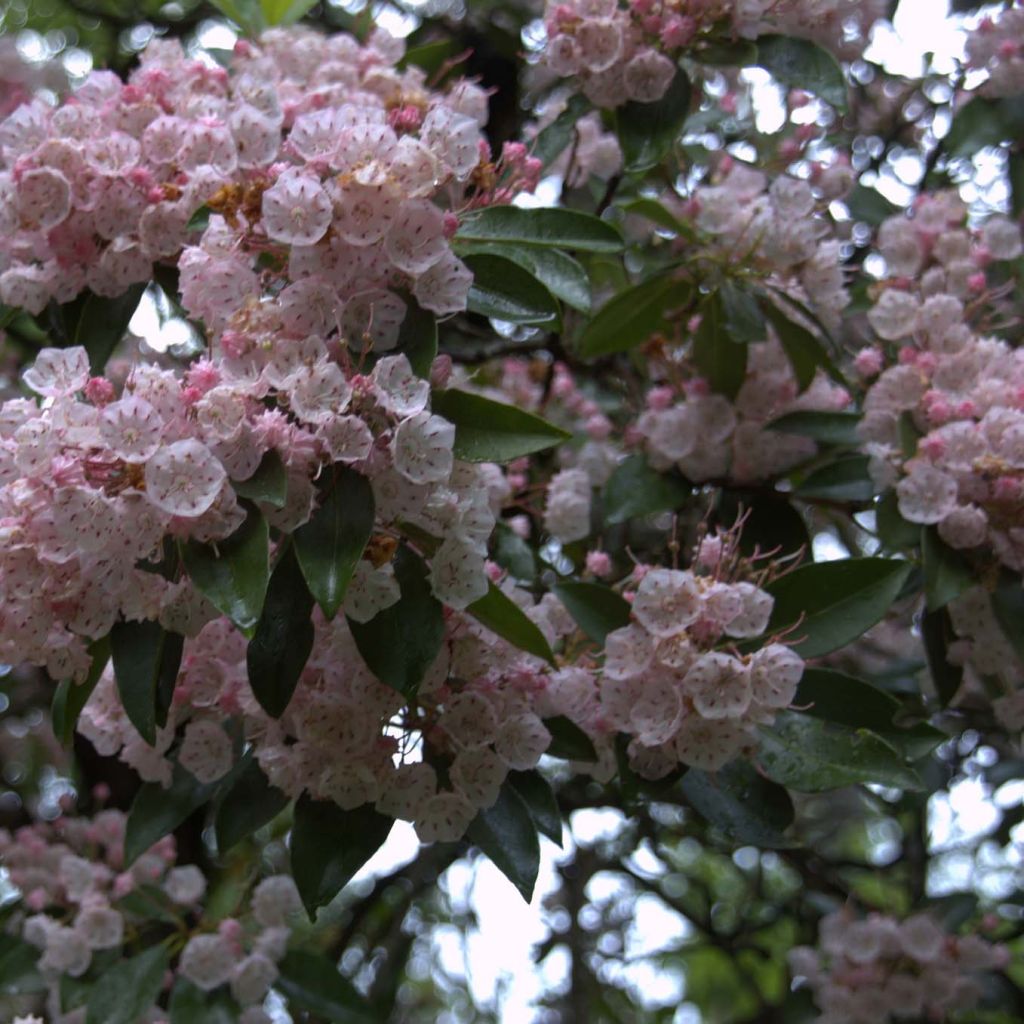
[[92, 484], [80, 902], [996, 45], [962, 392], [879, 969]]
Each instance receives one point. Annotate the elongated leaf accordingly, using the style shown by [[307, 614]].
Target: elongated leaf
[[489, 431], [541, 802], [552, 141], [96, 323], [503, 290], [156, 812], [835, 602], [558, 228], [309, 981], [636, 490], [656, 212], [70, 697], [946, 573], [514, 554], [283, 640], [839, 428], [745, 806], [869, 205], [984, 122], [285, 12], [246, 14], [568, 741], [801, 64], [146, 661], [330, 845], [249, 804], [1008, 608], [417, 337], [506, 833], [937, 633], [811, 755], [233, 574], [632, 316], [893, 530], [742, 318], [191, 1005], [597, 609], [400, 643], [721, 361], [18, 972], [803, 350], [123, 993], [846, 479], [268, 484], [562, 275], [501, 615], [648, 131], [330, 545]]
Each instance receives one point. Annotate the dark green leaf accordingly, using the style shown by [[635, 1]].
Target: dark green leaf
[[417, 337], [285, 12], [268, 484], [248, 805], [96, 323], [830, 604], [893, 530], [149, 903], [937, 633], [552, 141], [1008, 608], [329, 846], [745, 806], [803, 350], [330, 545], [127, 990], [869, 205], [431, 56], [632, 316], [656, 212], [310, 982], [984, 122], [200, 220], [70, 697], [233, 573], [801, 64], [18, 973], [283, 640], [946, 574], [741, 315], [846, 479], [191, 1005], [597, 609], [503, 290], [156, 812], [400, 643], [636, 490], [811, 755], [146, 660], [506, 833], [839, 428], [648, 131], [541, 802], [568, 741], [246, 14], [721, 362], [489, 431], [514, 554], [501, 615], [730, 53], [559, 228]]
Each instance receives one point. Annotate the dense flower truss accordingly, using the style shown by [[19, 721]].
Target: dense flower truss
[[995, 46], [957, 390], [83, 904], [623, 52], [880, 969]]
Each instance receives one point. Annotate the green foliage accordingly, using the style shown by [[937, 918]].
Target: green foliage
[[248, 804], [649, 131], [70, 697], [501, 615], [146, 662], [124, 992], [632, 316], [269, 484], [98, 324], [557, 228], [504, 290], [311, 982], [507, 834], [597, 609], [635, 490], [801, 64]]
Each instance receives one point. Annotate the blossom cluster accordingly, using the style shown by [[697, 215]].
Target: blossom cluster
[[962, 391], [79, 901], [996, 46], [880, 969], [319, 160], [622, 52], [91, 484]]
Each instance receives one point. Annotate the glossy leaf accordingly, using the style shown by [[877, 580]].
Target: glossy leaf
[[801, 64], [489, 431], [648, 131], [541, 802], [310, 982], [559, 228], [811, 755], [635, 490], [506, 833], [741, 803], [70, 697], [514, 554], [503, 290], [249, 804], [742, 318], [568, 741], [96, 323], [146, 660], [268, 484], [937, 633], [984, 122], [720, 360], [946, 573], [830, 604], [847, 480], [281, 645], [417, 337], [246, 14], [554, 138], [329, 845], [597, 609], [867, 204], [126, 991], [839, 428], [330, 545], [400, 643], [233, 573], [893, 530], [805, 352], [632, 316], [501, 615]]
